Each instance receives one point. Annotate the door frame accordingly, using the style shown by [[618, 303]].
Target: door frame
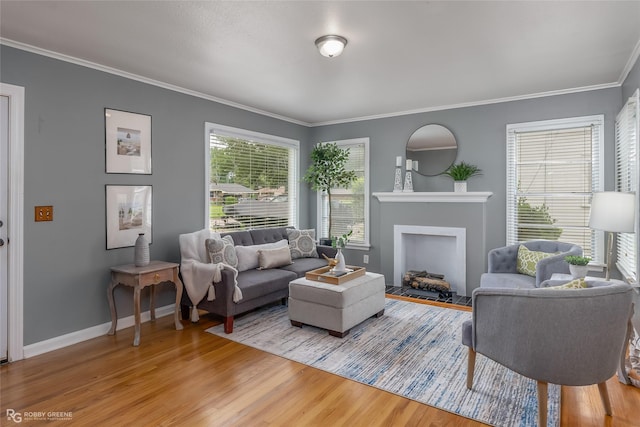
[[15, 226]]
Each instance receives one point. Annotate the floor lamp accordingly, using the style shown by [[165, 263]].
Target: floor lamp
[[612, 212]]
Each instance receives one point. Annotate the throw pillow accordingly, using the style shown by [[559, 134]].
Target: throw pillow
[[574, 284], [248, 255], [528, 259], [302, 243], [222, 250], [272, 258]]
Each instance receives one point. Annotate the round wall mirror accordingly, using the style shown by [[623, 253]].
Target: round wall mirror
[[434, 147]]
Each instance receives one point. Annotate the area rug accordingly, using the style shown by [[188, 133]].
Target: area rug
[[414, 350]]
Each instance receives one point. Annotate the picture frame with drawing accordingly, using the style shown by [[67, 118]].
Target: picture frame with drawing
[[127, 142], [128, 213]]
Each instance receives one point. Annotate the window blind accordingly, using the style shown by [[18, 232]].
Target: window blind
[[350, 206], [252, 180], [553, 167], [626, 135]]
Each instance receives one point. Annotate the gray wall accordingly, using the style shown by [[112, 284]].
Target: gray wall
[[481, 135], [631, 83], [66, 263]]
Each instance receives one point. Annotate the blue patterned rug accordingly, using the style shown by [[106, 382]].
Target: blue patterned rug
[[414, 350]]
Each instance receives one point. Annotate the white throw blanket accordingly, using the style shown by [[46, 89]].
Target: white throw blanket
[[198, 275]]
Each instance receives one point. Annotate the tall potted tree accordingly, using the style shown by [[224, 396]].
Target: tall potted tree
[[327, 171]]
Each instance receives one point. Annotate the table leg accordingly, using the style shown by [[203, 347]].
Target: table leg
[[179, 286], [623, 376], [152, 303], [112, 306], [136, 311]]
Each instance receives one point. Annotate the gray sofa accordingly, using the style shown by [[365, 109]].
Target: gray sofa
[[502, 268], [259, 287]]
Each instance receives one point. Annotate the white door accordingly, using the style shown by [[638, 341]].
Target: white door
[[11, 215], [4, 188]]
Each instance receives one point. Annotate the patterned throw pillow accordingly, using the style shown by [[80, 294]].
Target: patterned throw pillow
[[527, 260], [302, 243], [574, 284], [222, 250]]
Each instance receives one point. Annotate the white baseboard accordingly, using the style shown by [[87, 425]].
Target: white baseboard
[[90, 333]]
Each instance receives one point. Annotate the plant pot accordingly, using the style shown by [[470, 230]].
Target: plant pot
[[578, 271], [460, 186]]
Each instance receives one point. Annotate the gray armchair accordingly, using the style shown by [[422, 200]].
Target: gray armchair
[[561, 336], [502, 271]]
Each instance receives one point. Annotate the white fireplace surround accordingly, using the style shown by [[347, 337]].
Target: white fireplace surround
[[439, 250]]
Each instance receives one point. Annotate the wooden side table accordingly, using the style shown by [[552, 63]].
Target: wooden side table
[[139, 278]]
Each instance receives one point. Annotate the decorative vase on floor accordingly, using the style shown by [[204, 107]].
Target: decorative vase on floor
[[340, 266], [460, 186], [141, 251], [578, 271]]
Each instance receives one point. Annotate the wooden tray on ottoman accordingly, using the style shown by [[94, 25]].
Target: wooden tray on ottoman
[[325, 275]]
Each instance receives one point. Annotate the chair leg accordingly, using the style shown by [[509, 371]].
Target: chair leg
[[471, 364], [604, 395], [542, 404]]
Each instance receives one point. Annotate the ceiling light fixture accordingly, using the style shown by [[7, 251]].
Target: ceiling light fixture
[[331, 45]]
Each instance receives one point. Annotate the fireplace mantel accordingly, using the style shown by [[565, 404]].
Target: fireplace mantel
[[434, 197]]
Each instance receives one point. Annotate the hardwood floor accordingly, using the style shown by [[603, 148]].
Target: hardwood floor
[[193, 378]]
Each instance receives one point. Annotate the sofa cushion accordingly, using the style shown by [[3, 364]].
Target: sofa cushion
[[261, 236], [248, 255], [302, 243], [258, 283], [527, 260], [222, 250], [301, 265], [272, 258], [507, 280], [240, 237]]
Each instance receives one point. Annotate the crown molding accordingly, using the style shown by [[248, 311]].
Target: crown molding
[[110, 70], [142, 79]]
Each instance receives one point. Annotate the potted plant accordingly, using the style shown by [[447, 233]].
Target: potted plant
[[327, 171], [577, 265], [460, 172]]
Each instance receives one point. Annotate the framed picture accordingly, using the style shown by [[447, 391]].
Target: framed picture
[[127, 142], [128, 214]]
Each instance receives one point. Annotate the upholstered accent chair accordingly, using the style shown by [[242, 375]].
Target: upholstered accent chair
[[561, 336], [502, 269]]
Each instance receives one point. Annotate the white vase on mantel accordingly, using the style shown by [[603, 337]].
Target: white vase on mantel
[[460, 186]]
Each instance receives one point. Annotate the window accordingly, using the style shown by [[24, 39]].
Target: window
[[350, 209], [553, 167], [251, 179], [627, 127]]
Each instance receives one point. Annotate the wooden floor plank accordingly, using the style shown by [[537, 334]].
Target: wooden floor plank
[[193, 378]]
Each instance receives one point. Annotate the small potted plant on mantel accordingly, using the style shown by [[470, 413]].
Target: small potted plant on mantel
[[577, 265], [460, 173]]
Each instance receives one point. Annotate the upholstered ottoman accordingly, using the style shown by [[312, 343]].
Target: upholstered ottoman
[[337, 308]]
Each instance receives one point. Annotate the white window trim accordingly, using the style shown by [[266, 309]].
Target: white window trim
[[367, 225], [627, 275], [552, 125], [294, 176]]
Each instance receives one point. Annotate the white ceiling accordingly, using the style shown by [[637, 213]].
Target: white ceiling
[[401, 56]]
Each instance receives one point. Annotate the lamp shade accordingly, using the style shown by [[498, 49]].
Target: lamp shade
[[331, 45], [613, 211]]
